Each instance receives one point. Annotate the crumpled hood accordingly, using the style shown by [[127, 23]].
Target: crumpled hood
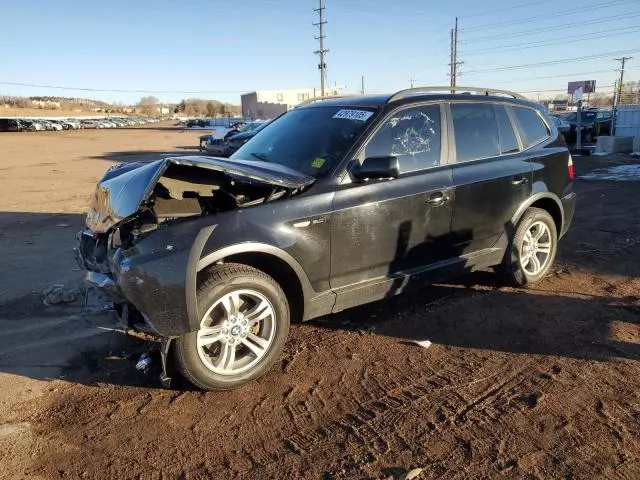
[[123, 188]]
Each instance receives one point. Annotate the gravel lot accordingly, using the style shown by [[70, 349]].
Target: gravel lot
[[540, 383]]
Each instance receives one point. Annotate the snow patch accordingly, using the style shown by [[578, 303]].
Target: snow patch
[[624, 173]]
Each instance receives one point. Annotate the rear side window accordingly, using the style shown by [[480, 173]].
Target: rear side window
[[476, 131], [508, 140], [532, 128]]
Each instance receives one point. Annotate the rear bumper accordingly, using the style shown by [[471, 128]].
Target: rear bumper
[[569, 208]]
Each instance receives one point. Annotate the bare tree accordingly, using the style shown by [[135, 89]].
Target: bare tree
[[211, 109], [148, 105]]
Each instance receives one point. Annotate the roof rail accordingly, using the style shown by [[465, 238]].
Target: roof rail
[[317, 99], [484, 91]]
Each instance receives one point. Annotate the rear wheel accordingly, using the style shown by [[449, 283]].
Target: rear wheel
[[242, 331], [532, 250]]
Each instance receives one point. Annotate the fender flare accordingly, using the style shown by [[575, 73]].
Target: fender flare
[[197, 263], [534, 198]]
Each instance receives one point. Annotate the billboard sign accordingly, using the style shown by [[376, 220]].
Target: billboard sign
[[588, 86]]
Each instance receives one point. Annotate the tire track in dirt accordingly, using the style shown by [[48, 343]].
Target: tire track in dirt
[[517, 384]]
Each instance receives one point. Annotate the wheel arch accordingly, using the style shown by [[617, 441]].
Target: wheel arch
[[273, 261], [546, 201]]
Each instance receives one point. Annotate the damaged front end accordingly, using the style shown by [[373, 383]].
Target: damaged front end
[[143, 223]]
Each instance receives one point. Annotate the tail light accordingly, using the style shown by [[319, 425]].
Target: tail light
[[570, 168]]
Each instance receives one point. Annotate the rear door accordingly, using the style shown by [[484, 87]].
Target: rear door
[[491, 174]]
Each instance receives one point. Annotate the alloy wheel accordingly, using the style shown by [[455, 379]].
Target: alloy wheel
[[535, 250], [236, 332]]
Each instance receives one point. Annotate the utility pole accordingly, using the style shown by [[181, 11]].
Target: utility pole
[[362, 85], [411, 80], [453, 62], [455, 52], [618, 95], [322, 66]]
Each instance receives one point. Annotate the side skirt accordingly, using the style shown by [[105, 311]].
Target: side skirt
[[384, 287]]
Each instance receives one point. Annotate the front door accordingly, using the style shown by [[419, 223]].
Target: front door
[[383, 230], [492, 176]]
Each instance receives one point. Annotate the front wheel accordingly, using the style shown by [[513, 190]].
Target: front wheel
[[532, 250], [242, 332]]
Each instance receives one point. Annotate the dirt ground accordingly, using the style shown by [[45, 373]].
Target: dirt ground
[[539, 383]]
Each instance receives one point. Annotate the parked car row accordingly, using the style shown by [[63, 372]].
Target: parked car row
[[234, 139], [199, 123], [51, 124]]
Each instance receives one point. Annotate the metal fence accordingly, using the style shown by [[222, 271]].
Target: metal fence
[[628, 121]]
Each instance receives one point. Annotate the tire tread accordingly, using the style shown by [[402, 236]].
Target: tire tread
[[515, 276], [214, 276]]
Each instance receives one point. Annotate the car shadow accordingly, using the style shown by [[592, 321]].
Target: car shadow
[[477, 312], [188, 147]]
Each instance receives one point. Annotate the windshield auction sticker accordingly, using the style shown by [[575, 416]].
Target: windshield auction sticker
[[360, 115]]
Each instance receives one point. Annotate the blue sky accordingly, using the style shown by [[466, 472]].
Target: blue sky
[[218, 49]]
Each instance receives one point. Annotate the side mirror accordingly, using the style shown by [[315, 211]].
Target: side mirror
[[378, 167]]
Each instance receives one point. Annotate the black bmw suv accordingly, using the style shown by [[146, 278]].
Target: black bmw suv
[[336, 203]]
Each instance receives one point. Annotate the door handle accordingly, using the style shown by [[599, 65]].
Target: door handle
[[519, 181], [437, 199]]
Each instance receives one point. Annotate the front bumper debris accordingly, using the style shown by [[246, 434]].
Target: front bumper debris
[[147, 280]]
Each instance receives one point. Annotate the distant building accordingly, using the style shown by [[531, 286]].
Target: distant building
[[271, 103], [45, 104], [558, 105]]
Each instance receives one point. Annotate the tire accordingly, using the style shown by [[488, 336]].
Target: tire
[[515, 266], [214, 366]]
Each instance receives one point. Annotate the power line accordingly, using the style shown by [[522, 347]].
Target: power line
[[571, 11], [606, 87], [548, 77], [552, 62], [498, 10], [552, 28], [558, 40], [117, 90]]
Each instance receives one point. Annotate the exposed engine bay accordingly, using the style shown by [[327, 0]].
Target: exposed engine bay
[[133, 200], [184, 192]]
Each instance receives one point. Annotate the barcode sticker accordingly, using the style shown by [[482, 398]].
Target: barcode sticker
[[360, 115]]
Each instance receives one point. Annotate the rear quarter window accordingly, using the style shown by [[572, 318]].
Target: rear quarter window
[[531, 126]]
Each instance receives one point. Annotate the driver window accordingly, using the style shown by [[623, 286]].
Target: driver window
[[412, 135]]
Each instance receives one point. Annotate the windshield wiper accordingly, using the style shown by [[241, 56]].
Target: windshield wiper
[[260, 156]]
